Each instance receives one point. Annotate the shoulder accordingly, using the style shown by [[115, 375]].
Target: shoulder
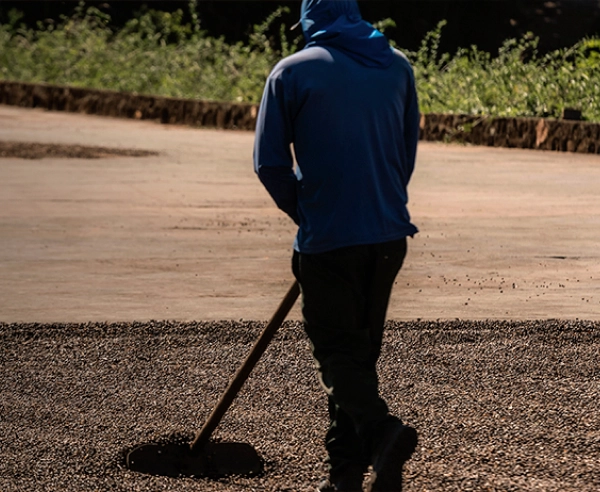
[[401, 57], [402, 62], [306, 59]]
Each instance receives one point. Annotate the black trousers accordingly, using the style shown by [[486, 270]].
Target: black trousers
[[345, 295]]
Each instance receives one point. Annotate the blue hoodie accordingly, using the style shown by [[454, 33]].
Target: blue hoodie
[[347, 105]]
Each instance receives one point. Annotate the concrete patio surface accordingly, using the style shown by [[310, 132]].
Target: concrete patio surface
[[190, 233]]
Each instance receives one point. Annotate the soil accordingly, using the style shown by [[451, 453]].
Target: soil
[[33, 150], [499, 405]]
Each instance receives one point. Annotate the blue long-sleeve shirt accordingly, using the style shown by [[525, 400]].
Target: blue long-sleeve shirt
[[353, 127]]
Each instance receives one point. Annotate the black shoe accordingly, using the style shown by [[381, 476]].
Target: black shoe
[[351, 480], [326, 486], [396, 445]]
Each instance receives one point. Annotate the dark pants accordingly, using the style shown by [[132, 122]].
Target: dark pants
[[345, 295]]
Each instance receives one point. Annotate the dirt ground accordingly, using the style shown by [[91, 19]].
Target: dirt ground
[[499, 406], [33, 150], [189, 233]]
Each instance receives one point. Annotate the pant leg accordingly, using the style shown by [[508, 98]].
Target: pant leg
[[345, 294], [388, 260], [345, 450]]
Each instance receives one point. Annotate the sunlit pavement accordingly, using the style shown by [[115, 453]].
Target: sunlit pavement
[[191, 234]]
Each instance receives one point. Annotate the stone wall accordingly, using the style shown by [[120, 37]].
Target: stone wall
[[525, 133], [129, 105]]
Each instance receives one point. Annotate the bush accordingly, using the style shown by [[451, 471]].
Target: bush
[[154, 53], [158, 53], [517, 82]]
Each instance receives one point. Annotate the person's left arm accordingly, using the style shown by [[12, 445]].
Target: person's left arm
[[411, 125]]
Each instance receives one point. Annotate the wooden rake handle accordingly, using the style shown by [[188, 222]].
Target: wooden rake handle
[[244, 371]]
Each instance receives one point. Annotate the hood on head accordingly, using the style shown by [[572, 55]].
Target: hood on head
[[338, 23]]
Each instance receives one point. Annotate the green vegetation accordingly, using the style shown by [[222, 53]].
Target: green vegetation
[[160, 53], [154, 53], [516, 82]]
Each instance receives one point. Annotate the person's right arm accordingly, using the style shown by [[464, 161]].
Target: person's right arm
[[273, 160]]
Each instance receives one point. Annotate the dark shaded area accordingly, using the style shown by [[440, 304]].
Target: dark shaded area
[[485, 23], [33, 150], [173, 457]]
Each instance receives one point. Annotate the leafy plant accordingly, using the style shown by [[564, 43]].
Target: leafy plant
[[154, 53], [168, 54], [516, 82]]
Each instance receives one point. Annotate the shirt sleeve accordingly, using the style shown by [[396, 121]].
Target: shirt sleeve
[[411, 127], [273, 160]]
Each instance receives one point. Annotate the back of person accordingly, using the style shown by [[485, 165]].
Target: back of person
[[353, 160], [347, 104]]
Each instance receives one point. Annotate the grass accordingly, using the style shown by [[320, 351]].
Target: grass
[[164, 54]]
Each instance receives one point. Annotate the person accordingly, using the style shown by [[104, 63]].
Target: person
[[347, 106]]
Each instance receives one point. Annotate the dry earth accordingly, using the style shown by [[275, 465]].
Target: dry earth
[[190, 234], [33, 150]]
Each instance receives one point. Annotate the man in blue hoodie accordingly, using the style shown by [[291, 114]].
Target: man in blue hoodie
[[347, 105]]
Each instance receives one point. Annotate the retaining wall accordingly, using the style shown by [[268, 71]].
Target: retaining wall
[[526, 133], [129, 105]]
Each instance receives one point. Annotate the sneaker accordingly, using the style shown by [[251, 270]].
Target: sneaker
[[350, 481], [394, 449], [326, 486]]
